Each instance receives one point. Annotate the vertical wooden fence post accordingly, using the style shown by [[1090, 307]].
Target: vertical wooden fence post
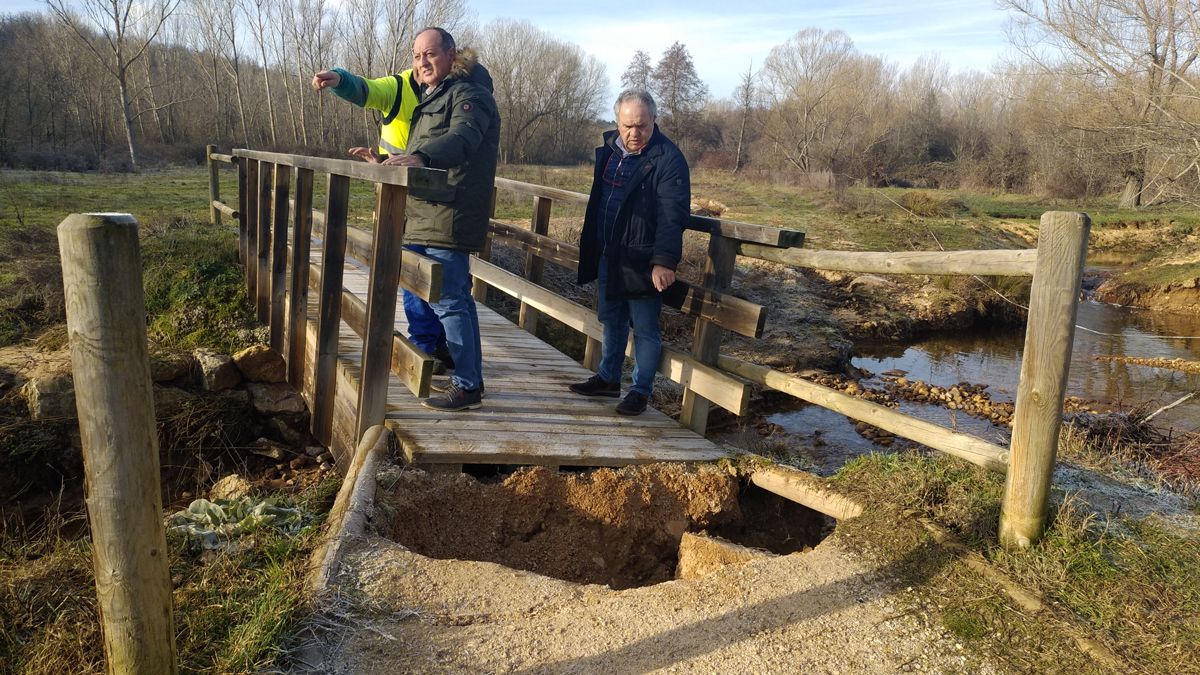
[[241, 197], [706, 345], [298, 303], [106, 321], [262, 292], [1053, 301], [279, 229], [382, 284], [592, 353], [534, 265], [251, 211], [329, 317], [479, 289], [214, 185]]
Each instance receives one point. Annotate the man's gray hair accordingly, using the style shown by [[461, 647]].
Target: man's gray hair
[[641, 96], [447, 38]]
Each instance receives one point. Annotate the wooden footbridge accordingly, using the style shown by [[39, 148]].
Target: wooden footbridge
[[347, 353]]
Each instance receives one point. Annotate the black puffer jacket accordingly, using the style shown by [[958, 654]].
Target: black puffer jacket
[[650, 220]]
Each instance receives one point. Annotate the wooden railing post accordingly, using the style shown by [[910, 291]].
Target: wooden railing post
[[297, 332], [592, 353], [534, 265], [279, 243], [106, 321], [1053, 301], [329, 317], [240, 162], [251, 211], [214, 185], [382, 284], [479, 288], [718, 274], [262, 292]]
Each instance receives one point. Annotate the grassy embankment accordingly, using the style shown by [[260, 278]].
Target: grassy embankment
[[233, 610], [1133, 585]]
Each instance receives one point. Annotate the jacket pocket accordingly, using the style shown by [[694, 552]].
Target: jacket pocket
[[635, 269]]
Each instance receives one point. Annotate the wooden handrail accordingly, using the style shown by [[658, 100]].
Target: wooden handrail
[[419, 180], [1000, 262], [732, 229], [724, 309], [726, 391]]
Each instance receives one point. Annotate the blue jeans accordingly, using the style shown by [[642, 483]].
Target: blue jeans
[[617, 314], [424, 328], [456, 311]]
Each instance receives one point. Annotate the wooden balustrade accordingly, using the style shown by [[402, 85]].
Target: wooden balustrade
[[707, 377]]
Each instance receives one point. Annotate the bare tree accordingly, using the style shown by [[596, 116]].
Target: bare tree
[[679, 91], [637, 74], [744, 97], [827, 105], [127, 29], [1140, 55], [259, 12], [541, 83]]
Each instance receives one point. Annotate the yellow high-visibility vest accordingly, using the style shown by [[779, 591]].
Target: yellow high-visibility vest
[[398, 97]]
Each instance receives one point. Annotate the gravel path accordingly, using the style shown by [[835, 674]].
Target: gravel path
[[823, 611]]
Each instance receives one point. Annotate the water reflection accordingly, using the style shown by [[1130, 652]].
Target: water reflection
[[994, 358]]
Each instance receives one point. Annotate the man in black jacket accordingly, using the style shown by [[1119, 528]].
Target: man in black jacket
[[631, 243]]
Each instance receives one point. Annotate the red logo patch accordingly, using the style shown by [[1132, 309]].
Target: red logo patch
[[466, 107]]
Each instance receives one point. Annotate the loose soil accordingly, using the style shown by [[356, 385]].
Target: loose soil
[[616, 527], [606, 535]]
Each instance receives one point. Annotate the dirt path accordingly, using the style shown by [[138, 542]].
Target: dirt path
[[824, 609]]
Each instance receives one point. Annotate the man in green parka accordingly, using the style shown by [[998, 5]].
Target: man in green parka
[[456, 127]]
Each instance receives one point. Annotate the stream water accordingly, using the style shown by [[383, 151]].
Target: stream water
[[993, 357]]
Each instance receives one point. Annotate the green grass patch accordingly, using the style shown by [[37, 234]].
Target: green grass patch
[[1161, 275], [234, 609], [1130, 584]]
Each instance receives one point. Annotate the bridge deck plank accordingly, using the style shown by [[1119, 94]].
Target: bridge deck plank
[[528, 415]]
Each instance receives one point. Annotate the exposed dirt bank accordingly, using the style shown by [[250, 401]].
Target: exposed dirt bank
[[1180, 297], [616, 527], [826, 609]]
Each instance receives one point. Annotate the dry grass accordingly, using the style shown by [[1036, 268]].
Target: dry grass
[[234, 610], [1132, 588]]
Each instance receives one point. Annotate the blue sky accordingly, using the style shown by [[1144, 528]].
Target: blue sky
[[967, 34]]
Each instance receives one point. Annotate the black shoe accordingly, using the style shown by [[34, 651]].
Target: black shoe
[[596, 386], [455, 399], [445, 385], [634, 404], [442, 354]]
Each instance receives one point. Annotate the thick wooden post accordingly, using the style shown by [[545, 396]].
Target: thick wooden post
[[1053, 300], [214, 185], [718, 274], [382, 284], [106, 321], [251, 211], [279, 229], [329, 317], [592, 353], [479, 288], [534, 265], [241, 197], [262, 292], [298, 295]]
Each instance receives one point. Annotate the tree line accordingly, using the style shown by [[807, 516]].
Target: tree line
[[1104, 97]]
